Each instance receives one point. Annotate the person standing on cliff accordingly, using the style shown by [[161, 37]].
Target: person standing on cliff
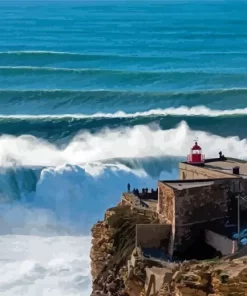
[[128, 186]]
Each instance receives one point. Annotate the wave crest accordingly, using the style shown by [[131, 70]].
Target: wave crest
[[201, 111], [139, 141]]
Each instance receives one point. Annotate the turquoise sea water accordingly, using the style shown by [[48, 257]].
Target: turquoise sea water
[[88, 57], [94, 95]]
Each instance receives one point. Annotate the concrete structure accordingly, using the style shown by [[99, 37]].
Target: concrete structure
[[221, 243], [152, 235]]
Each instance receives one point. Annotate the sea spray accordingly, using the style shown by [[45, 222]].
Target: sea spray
[[138, 141]]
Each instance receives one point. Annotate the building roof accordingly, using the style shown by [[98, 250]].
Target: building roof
[[227, 165], [224, 165], [196, 147], [185, 184]]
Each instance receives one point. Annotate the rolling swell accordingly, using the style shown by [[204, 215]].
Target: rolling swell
[[36, 77], [110, 101], [61, 130], [77, 56], [132, 60], [12, 70]]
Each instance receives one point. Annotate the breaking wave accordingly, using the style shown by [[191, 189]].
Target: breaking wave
[[143, 141], [46, 214], [32, 171], [93, 98], [42, 101], [180, 111], [41, 265]]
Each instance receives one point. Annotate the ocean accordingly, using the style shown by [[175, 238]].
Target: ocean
[[95, 95]]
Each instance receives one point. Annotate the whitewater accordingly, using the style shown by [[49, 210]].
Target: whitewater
[[95, 95], [181, 111]]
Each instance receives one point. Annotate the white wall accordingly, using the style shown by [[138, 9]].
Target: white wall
[[221, 243]]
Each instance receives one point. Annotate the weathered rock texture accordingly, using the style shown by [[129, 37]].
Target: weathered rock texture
[[113, 241], [114, 273], [222, 278]]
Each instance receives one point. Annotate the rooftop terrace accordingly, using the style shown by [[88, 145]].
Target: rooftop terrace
[[227, 166], [191, 183], [185, 184]]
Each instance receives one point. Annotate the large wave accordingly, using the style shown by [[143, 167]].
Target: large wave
[[56, 206], [57, 203], [110, 101], [74, 177], [128, 61], [169, 79], [131, 142], [59, 172]]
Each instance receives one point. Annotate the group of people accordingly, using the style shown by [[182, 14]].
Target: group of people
[[136, 191]]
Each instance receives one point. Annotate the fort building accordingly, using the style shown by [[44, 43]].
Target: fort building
[[204, 206], [201, 215]]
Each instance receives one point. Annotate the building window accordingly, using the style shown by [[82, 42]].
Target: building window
[[184, 176]]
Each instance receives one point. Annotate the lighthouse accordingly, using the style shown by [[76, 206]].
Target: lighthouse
[[196, 157]]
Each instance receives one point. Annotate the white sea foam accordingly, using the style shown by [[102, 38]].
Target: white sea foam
[[179, 111], [138, 141], [45, 242], [40, 266]]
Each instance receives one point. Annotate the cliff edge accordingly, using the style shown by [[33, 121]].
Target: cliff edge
[[113, 241], [119, 267]]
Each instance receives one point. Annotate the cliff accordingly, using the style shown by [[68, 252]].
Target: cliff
[[119, 268], [113, 242]]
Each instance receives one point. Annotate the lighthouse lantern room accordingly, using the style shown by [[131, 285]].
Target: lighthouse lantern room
[[196, 156]]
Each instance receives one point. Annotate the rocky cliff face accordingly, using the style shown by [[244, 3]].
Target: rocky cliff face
[[219, 278], [113, 242]]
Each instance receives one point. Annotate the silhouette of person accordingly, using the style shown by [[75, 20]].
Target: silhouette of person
[[128, 186]]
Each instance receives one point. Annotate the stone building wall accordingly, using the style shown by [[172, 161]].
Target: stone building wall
[[166, 210], [166, 203], [201, 204], [190, 210], [190, 172], [195, 208]]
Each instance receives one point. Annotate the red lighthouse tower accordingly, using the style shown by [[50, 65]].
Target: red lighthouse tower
[[196, 156]]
